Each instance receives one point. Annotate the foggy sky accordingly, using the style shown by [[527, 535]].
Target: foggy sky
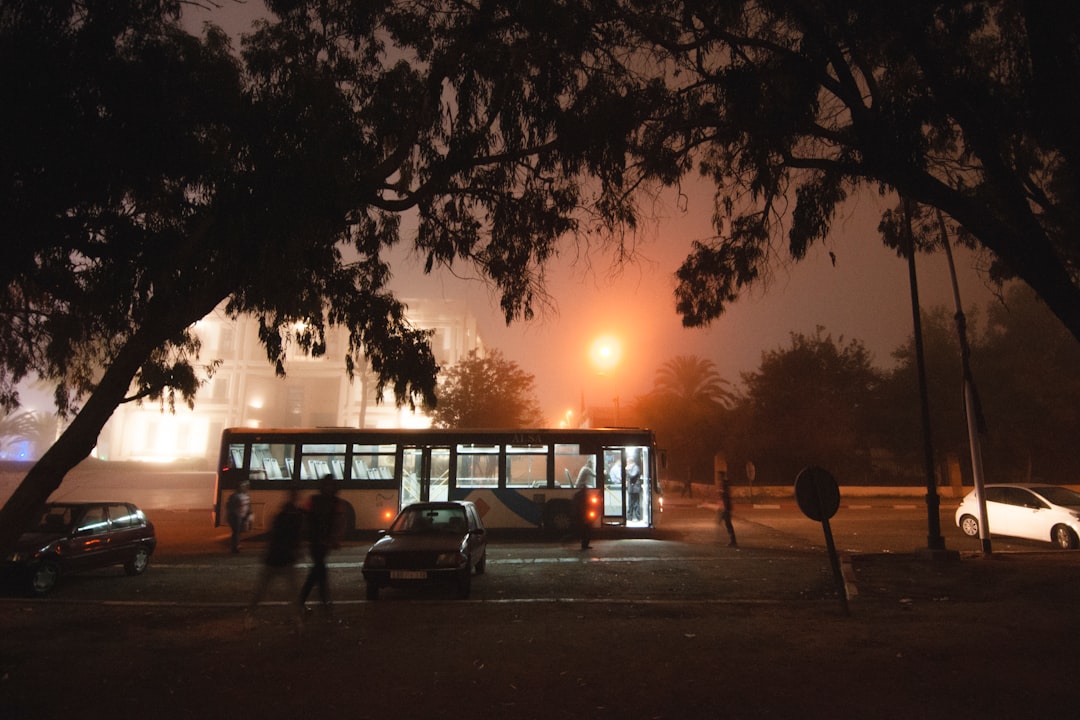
[[865, 296]]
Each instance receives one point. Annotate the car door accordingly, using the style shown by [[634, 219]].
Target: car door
[[88, 546], [1030, 514], [124, 529]]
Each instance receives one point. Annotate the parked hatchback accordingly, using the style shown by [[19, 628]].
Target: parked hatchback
[[435, 542], [77, 536], [1050, 513]]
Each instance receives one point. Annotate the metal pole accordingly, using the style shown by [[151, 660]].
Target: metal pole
[[971, 399], [934, 539]]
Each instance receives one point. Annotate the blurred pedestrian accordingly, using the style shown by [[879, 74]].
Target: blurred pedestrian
[[725, 507], [581, 513], [281, 549], [325, 527], [238, 513]]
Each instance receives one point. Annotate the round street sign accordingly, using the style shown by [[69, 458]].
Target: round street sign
[[817, 493]]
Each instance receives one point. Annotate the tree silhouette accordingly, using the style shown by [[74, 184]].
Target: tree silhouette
[[486, 391], [686, 410]]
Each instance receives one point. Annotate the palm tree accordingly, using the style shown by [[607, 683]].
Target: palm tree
[[686, 409], [692, 379], [27, 426]]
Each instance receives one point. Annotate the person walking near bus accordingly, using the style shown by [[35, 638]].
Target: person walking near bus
[[581, 511], [725, 507], [238, 513], [325, 526], [281, 550]]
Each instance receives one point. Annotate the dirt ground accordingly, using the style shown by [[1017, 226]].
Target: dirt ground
[[978, 637]]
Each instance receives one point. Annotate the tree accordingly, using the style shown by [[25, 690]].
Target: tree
[[487, 391], [808, 404], [26, 426], [790, 107], [1026, 368], [686, 409], [944, 380], [150, 176]]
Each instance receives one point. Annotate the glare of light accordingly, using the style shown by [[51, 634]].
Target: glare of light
[[256, 403], [605, 353]]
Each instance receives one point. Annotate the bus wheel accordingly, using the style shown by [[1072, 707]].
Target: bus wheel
[[558, 520]]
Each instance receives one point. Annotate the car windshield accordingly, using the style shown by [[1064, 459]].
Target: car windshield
[[55, 519], [429, 519], [1059, 495]]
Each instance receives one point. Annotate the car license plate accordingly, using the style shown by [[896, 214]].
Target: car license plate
[[408, 575]]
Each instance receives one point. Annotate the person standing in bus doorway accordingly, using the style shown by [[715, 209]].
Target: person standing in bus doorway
[[633, 487], [725, 506], [581, 503], [238, 513], [281, 550], [325, 526]]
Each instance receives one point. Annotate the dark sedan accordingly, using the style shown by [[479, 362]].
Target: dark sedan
[[434, 542], [71, 537]]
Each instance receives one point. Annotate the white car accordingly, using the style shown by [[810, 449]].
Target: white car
[[1035, 512]]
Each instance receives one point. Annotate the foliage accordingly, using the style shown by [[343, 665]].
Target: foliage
[[808, 404], [1024, 367], [150, 176], [686, 409], [487, 391], [790, 107], [36, 429]]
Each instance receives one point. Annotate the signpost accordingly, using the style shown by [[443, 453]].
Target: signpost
[[818, 497]]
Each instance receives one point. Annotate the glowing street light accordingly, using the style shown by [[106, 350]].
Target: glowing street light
[[606, 352]]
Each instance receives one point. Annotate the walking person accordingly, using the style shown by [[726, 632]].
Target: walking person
[[725, 507], [581, 513], [281, 551], [325, 526], [238, 514]]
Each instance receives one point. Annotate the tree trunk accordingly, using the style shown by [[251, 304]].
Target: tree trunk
[[74, 444]]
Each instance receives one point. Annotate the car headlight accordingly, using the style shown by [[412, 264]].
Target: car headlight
[[450, 559], [375, 561]]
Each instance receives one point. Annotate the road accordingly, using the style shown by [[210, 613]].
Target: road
[[673, 627], [686, 560]]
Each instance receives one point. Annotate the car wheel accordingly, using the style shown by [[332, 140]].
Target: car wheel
[[464, 584], [372, 591], [1064, 537], [44, 578], [481, 566], [969, 525], [138, 564]]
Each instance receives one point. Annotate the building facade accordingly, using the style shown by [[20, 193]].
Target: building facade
[[245, 391]]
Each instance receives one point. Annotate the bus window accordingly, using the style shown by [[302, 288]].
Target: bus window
[[570, 462], [374, 462], [317, 460], [477, 466], [274, 459], [526, 466]]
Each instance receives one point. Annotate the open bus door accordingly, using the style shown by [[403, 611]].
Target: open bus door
[[425, 474]]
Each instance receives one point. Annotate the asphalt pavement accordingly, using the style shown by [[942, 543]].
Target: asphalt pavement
[[677, 626]]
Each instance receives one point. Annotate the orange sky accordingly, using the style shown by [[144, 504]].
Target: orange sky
[[865, 296]]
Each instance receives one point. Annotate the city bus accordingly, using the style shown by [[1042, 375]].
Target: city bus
[[516, 478]]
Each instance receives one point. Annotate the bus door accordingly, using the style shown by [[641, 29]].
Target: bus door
[[425, 474], [614, 492]]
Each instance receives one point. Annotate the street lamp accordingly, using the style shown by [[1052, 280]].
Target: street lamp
[[606, 354]]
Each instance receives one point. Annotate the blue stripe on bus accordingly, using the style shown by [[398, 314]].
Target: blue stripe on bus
[[513, 500]]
